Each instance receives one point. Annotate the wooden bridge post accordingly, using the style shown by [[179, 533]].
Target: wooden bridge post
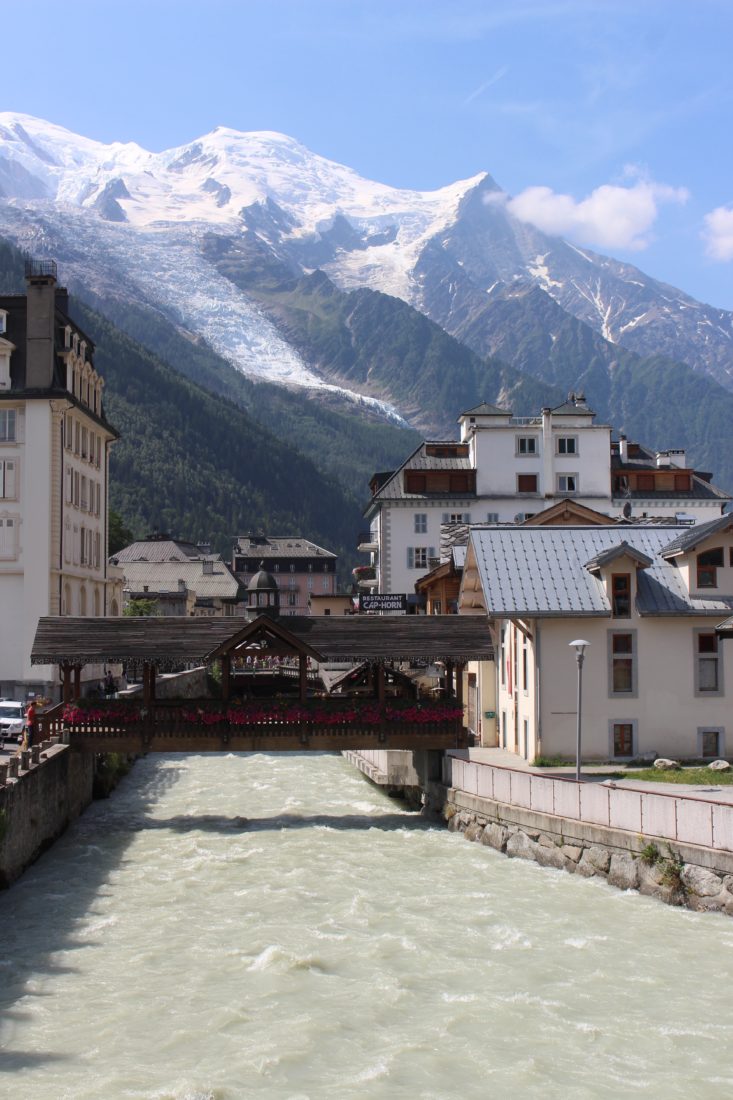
[[148, 683], [65, 672], [303, 671], [459, 682], [226, 676], [77, 681], [449, 687], [380, 683]]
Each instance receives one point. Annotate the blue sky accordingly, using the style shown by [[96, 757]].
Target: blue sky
[[609, 121]]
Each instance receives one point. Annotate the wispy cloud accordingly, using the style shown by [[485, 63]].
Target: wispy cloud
[[610, 217], [718, 233], [486, 85]]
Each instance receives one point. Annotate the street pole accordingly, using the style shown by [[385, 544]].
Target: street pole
[[580, 646]]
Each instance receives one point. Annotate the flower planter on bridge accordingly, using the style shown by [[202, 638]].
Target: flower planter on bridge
[[262, 725]]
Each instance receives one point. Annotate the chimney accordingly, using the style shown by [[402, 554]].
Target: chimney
[[40, 276], [663, 458], [181, 585], [207, 566], [623, 448]]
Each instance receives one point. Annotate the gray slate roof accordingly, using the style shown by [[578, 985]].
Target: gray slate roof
[[163, 576], [485, 409], [693, 536], [160, 550], [539, 572], [393, 488], [279, 546]]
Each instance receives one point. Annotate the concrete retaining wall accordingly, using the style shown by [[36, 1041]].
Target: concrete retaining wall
[[684, 819], [38, 805]]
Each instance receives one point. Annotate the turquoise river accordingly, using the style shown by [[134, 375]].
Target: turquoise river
[[228, 927]]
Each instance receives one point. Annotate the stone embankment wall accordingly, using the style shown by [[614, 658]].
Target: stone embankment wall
[[679, 874], [41, 792], [673, 847]]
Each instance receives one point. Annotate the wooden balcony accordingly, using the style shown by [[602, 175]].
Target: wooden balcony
[[261, 726]]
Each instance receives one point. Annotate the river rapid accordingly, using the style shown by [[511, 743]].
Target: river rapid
[[226, 927]]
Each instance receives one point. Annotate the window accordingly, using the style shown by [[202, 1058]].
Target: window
[[526, 445], [76, 437], [7, 425], [421, 523], [68, 432], [98, 499], [710, 742], [8, 480], [326, 584], [292, 599], [622, 657], [76, 487], [7, 538], [525, 670], [419, 557], [622, 738], [84, 443], [276, 567], [310, 584], [455, 517], [3, 321], [708, 564], [292, 567], [84, 505], [645, 482], [567, 483], [492, 517], [621, 595], [526, 483], [567, 445], [708, 668], [682, 483]]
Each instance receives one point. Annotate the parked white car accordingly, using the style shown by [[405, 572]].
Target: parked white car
[[12, 720]]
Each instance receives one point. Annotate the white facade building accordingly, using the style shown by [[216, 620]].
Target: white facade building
[[506, 469], [656, 679], [54, 456]]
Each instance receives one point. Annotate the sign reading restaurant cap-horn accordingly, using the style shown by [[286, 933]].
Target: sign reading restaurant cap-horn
[[383, 601]]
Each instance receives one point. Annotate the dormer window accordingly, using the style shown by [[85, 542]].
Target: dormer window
[[621, 595], [708, 563], [3, 322]]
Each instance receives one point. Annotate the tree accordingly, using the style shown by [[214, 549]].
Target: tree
[[120, 534], [141, 608]]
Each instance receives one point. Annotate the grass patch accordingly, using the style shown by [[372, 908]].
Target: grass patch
[[699, 776]]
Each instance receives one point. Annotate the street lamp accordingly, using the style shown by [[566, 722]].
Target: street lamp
[[579, 645]]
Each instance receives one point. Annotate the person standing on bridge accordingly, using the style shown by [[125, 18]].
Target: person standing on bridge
[[29, 733]]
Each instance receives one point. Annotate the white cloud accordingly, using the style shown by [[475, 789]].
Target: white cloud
[[610, 217], [718, 233]]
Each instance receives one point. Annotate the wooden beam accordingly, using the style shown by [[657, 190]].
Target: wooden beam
[[66, 679], [226, 672], [303, 671], [380, 683], [449, 679], [459, 682], [77, 681]]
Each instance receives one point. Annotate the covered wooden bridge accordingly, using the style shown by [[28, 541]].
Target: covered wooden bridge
[[266, 701]]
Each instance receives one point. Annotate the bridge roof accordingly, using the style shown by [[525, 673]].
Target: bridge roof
[[166, 640]]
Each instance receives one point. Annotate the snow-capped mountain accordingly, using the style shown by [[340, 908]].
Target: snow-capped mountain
[[153, 228]]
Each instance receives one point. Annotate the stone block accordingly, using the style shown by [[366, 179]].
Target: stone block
[[520, 846], [495, 836], [699, 881], [572, 852], [474, 831], [550, 857], [707, 904], [585, 868], [663, 764], [719, 766], [599, 857], [623, 872]]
